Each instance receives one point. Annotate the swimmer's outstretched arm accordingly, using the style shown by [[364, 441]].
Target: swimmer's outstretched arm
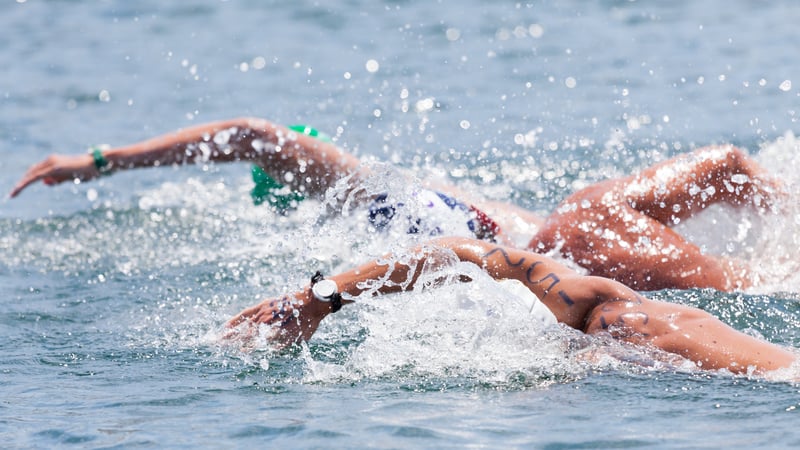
[[297, 316], [299, 161], [590, 304]]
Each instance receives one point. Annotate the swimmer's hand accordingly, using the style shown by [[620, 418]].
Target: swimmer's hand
[[57, 169], [290, 319]]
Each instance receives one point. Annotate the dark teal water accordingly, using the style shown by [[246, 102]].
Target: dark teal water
[[112, 294]]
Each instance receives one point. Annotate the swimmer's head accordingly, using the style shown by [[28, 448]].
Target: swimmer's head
[[270, 191]]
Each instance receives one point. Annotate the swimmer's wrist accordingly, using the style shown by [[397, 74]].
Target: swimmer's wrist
[[325, 292], [313, 306], [100, 161]]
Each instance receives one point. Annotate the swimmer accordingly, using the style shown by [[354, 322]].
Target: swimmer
[[593, 305], [617, 228]]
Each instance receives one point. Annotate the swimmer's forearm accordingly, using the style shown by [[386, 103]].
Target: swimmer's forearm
[[395, 274], [222, 141], [547, 279], [400, 272], [181, 147], [382, 276], [299, 161]]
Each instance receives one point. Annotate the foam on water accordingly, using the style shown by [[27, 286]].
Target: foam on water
[[460, 331]]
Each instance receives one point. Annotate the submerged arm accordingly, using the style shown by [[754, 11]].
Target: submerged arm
[[300, 161]]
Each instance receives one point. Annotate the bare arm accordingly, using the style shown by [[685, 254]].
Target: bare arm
[[312, 165], [689, 332], [556, 285], [689, 183], [600, 305], [590, 304]]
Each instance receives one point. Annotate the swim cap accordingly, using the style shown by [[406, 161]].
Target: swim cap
[[267, 189]]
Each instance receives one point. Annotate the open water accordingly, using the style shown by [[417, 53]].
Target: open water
[[113, 293]]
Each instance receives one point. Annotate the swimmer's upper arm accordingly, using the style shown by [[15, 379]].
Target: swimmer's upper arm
[[538, 272], [572, 297], [605, 289]]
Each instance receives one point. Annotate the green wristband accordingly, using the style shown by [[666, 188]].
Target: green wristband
[[100, 162]]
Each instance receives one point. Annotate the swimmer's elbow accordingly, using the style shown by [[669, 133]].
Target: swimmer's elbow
[[252, 123], [466, 249], [605, 289], [255, 124]]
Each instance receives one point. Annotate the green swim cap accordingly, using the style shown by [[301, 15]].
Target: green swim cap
[[267, 189]]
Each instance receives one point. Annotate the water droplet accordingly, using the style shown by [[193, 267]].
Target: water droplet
[[536, 30], [740, 178], [259, 62], [453, 34]]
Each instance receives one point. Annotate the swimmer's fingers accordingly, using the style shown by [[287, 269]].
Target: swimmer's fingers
[[57, 169], [280, 314], [768, 194], [31, 176], [267, 312], [290, 319], [243, 317], [778, 196]]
